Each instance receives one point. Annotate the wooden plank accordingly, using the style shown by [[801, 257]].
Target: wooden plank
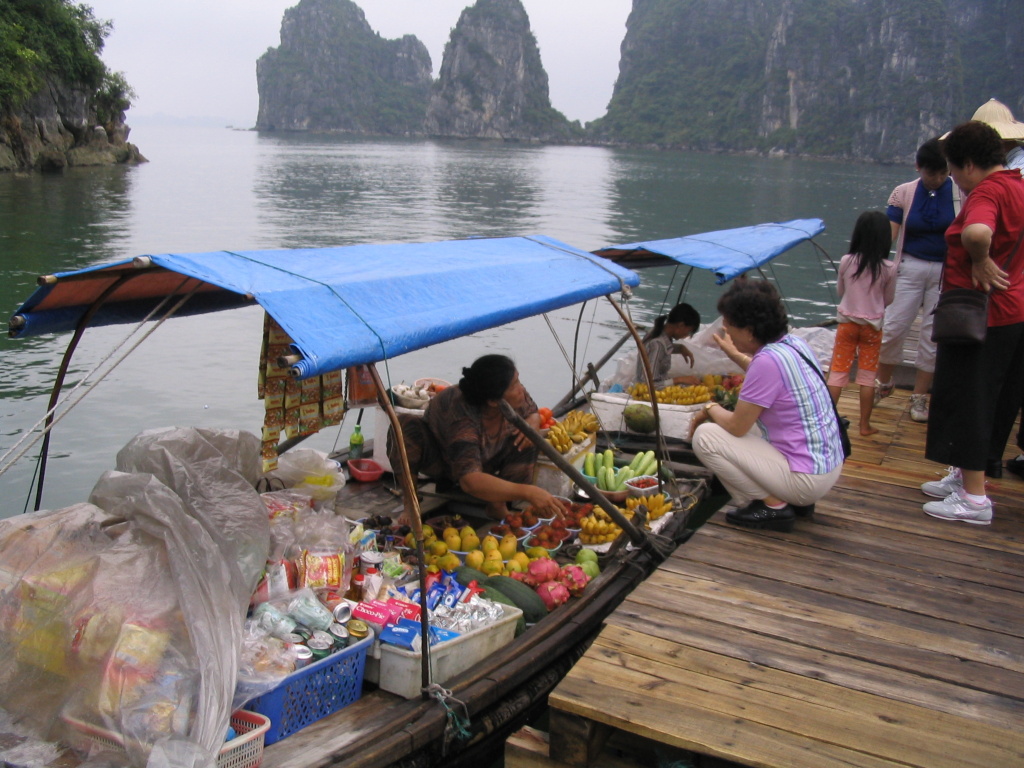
[[777, 599], [855, 541], [872, 581], [802, 706], [879, 676], [867, 641]]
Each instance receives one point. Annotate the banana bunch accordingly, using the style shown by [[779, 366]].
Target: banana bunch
[[657, 505], [559, 438], [673, 395], [599, 528], [574, 428]]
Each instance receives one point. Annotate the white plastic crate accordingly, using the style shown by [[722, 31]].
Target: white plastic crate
[[399, 669], [675, 419]]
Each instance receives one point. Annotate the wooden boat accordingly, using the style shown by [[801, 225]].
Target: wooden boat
[[347, 306]]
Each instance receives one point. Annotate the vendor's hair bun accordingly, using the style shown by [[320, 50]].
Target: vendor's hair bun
[[487, 379]]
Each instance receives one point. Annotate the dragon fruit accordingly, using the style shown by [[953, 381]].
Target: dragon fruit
[[553, 594], [574, 578], [540, 570]]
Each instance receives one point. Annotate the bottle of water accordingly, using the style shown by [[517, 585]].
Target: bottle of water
[[355, 444]]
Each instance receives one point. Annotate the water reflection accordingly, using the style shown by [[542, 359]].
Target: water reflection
[[216, 189]]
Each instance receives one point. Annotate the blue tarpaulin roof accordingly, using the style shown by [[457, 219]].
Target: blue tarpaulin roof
[[726, 252], [347, 305]]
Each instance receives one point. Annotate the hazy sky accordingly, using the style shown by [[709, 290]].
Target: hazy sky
[[197, 58]]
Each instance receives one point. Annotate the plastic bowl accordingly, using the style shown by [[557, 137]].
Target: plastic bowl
[[616, 497], [365, 470], [409, 402], [427, 381], [551, 550], [633, 490]]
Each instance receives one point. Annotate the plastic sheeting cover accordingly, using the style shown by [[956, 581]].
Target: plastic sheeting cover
[[126, 613]]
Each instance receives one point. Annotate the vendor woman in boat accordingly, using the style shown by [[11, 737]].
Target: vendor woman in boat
[[660, 342], [779, 471], [464, 439]]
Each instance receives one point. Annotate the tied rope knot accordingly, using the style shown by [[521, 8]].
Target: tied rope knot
[[457, 720]]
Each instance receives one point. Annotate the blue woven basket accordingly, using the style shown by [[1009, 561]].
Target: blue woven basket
[[313, 692]]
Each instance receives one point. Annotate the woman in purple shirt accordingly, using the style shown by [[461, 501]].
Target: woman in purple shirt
[[779, 451]]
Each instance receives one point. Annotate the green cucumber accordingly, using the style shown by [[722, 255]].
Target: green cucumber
[[609, 458], [588, 465], [648, 467], [621, 477], [526, 599], [635, 463]]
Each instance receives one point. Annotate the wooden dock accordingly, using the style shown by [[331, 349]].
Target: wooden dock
[[871, 636]]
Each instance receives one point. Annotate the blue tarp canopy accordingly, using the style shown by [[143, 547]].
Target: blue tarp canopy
[[342, 306], [727, 252]]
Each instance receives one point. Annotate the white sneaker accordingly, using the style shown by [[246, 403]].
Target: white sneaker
[[919, 408], [940, 489], [956, 507]]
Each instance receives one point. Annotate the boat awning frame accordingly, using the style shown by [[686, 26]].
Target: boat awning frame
[[727, 253]]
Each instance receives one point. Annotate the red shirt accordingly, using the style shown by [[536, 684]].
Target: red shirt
[[998, 203]]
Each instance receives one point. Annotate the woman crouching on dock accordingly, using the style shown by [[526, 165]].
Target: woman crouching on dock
[[779, 471]]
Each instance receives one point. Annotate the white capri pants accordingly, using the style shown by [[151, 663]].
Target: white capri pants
[[917, 285], [752, 468]]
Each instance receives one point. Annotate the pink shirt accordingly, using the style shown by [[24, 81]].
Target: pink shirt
[[864, 301]]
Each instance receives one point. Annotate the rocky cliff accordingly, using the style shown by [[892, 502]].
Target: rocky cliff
[[492, 83], [861, 79], [332, 72], [57, 128]]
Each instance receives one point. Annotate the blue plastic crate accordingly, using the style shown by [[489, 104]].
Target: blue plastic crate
[[313, 692]]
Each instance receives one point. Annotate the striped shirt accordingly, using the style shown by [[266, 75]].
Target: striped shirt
[[798, 418]]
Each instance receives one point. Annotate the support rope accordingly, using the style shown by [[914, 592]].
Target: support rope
[[28, 436], [457, 716]]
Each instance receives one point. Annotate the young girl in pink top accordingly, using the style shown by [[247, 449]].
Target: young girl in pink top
[[866, 286]]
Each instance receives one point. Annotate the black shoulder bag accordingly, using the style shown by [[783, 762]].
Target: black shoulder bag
[[961, 314]]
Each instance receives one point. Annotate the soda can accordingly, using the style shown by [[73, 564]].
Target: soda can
[[340, 634], [342, 612], [321, 645], [307, 610], [357, 629], [294, 638], [303, 656]]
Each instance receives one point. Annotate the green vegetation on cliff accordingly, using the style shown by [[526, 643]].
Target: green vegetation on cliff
[[864, 79], [41, 39]]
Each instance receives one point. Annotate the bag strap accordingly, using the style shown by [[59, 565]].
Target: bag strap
[[817, 370]]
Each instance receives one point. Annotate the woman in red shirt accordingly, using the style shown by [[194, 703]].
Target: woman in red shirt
[[978, 387]]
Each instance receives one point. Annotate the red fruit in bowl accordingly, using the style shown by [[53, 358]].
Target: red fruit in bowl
[[514, 520], [557, 524], [529, 518]]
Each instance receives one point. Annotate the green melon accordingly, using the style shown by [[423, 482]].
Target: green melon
[[639, 418]]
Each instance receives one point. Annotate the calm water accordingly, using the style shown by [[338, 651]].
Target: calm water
[[219, 189]]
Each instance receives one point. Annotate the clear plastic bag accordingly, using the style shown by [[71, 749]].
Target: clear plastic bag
[[310, 472], [125, 614]]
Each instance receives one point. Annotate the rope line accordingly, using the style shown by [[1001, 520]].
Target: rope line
[[5, 465], [456, 721]]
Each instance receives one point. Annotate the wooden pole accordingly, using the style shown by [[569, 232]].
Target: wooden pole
[[409, 492]]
